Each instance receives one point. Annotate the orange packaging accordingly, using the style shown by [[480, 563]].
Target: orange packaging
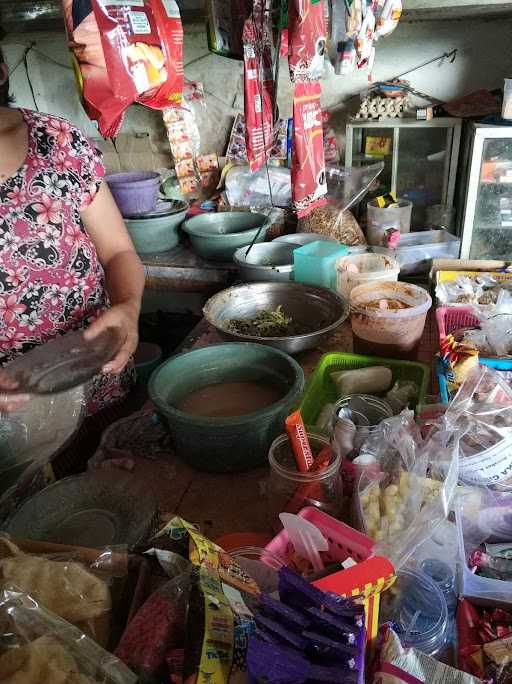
[[299, 441]]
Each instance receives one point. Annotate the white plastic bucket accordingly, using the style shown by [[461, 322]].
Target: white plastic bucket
[[389, 332], [382, 219], [359, 269]]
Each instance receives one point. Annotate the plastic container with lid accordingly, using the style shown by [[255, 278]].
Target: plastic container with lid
[[315, 263], [379, 324], [418, 607], [414, 252], [289, 490], [381, 219], [357, 269]]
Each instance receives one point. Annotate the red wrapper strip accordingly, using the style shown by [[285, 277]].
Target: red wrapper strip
[[306, 39], [258, 89], [299, 442], [309, 185], [311, 490]]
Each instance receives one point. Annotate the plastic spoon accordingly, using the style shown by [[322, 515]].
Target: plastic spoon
[[306, 538]]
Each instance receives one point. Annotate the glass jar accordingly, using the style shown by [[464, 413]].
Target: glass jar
[[289, 490]]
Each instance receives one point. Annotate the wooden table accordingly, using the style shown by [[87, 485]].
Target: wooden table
[[221, 504], [181, 270]]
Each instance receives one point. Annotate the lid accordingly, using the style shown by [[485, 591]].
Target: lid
[[63, 363], [163, 208]]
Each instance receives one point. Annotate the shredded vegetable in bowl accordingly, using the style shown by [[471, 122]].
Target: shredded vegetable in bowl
[[266, 323]]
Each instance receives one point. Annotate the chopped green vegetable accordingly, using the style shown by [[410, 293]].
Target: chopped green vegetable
[[266, 323]]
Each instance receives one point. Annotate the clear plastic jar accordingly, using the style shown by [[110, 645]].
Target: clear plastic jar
[[289, 490], [262, 565]]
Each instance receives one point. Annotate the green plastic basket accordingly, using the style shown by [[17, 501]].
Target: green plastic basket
[[320, 389]]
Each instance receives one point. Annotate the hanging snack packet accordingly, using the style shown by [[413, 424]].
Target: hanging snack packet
[[306, 39], [258, 89], [141, 41], [143, 45], [309, 183]]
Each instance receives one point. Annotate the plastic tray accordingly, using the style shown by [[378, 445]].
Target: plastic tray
[[415, 251], [343, 540], [320, 389]]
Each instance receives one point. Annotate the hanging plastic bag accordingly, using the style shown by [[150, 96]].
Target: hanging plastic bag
[[306, 39], [196, 164], [258, 87], [141, 41]]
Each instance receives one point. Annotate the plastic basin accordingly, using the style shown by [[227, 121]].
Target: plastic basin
[[225, 444], [388, 332], [218, 236], [157, 232], [134, 192]]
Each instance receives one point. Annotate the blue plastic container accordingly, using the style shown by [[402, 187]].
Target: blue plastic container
[[315, 263]]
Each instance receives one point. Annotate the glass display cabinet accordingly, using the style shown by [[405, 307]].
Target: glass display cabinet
[[420, 159], [485, 192]]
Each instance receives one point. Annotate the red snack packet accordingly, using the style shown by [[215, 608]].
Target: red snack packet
[[141, 41], [299, 441], [258, 90], [306, 39], [470, 654], [309, 184]]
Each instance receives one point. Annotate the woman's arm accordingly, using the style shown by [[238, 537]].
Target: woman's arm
[[123, 271]]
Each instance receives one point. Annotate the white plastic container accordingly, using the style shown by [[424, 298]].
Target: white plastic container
[[390, 332], [415, 251], [359, 269], [382, 219]]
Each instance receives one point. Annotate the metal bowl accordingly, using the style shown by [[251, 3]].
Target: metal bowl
[[315, 308], [303, 239], [268, 261]]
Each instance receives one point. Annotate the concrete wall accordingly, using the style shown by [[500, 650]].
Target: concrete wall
[[484, 59]]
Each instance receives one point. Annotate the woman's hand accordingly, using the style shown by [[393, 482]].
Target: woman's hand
[[124, 317], [10, 400]]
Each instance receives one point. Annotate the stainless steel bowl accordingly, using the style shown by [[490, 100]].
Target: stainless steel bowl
[[303, 239], [267, 261], [315, 308]]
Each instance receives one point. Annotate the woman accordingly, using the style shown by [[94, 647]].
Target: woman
[[66, 259]]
